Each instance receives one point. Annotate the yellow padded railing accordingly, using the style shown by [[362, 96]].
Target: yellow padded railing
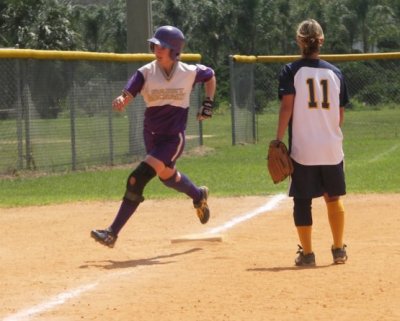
[[342, 57], [84, 55]]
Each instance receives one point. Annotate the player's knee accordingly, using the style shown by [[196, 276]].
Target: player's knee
[[137, 181], [302, 212], [171, 182], [329, 199]]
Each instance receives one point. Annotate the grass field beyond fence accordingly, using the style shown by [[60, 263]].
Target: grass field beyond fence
[[372, 162]]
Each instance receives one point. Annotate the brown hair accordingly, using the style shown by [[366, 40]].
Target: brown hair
[[310, 37]]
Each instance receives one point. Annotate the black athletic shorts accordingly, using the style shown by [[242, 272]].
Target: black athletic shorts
[[316, 180]]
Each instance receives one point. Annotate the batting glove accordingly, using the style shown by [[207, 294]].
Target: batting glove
[[206, 109]]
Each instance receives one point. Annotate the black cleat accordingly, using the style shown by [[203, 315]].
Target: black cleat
[[105, 237], [339, 255], [304, 259], [201, 206]]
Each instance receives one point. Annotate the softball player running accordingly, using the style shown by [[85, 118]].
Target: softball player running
[[313, 94], [165, 84]]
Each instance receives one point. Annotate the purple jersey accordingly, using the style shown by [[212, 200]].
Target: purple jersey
[[167, 97]]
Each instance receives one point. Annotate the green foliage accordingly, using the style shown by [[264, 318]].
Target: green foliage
[[102, 28], [213, 28], [49, 85], [220, 28], [43, 24], [266, 84], [373, 82]]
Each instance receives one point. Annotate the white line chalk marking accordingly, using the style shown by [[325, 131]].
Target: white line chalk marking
[[57, 300], [384, 154], [26, 314], [269, 206]]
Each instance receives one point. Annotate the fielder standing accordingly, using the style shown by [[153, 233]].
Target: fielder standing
[[313, 94], [165, 84]]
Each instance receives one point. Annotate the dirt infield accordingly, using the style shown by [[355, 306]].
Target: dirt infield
[[51, 270]]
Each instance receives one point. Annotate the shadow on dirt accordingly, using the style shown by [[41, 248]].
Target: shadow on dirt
[[157, 260], [289, 268]]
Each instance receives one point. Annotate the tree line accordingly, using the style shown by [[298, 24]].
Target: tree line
[[213, 28]]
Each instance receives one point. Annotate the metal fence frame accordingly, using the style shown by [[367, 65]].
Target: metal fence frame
[[21, 57], [244, 129]]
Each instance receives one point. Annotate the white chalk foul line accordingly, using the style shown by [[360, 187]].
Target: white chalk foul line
[[57, 300], [269, 206], [384, 154], [63, 297]]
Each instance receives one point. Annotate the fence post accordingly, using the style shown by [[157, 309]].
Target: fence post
[[199, 102], [73, 119], [233, 98], [19, 83], [242, 99], [253, 109], [27, 122], [110, 137]]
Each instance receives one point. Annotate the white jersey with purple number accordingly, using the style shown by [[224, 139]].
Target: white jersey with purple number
[[167, 97], [315, 137]]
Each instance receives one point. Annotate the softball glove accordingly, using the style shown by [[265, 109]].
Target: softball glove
[[279, 163]]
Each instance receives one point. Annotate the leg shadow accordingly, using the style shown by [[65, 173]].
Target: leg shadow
[[157, 260]]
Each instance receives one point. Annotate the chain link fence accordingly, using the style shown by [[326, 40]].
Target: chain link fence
[[373, 82], [55, 111]]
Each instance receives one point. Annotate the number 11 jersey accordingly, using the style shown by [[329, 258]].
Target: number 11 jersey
[[315, 136]]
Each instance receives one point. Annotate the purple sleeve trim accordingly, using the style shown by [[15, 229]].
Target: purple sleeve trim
[[135, 84], [203, 74]]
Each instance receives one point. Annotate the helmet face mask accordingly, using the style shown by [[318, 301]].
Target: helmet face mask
[[168, 37]]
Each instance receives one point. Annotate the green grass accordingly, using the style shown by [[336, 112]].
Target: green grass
[[55, 134], [372, 148]]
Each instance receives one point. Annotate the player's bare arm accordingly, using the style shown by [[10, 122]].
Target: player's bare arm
[[122, 101], [210, 87], [285, 114], [207, 106], [341, 121]]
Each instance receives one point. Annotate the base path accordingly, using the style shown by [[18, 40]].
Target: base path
[[50, 268]]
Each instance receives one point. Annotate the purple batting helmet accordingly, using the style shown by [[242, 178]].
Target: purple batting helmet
[[169, 37]]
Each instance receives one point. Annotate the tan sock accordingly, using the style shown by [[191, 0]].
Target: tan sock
[[336, 221], [304, 233]]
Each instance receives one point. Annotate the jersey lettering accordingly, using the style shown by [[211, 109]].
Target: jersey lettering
[[312, 101], [311, 93], [176, 94]]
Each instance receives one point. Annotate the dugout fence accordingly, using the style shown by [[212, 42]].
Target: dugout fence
[[373, 81], [55, 110]]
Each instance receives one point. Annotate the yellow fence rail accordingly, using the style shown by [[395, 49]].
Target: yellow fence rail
[[84, 55], [342, 57]]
